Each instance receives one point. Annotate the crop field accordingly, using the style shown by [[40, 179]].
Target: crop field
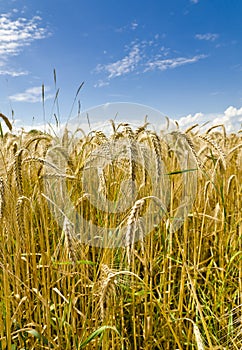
[[177, 285]]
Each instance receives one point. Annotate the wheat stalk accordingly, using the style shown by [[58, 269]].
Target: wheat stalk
[[2, 197]]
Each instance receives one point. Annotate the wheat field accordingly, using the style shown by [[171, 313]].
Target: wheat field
[[179, 289]]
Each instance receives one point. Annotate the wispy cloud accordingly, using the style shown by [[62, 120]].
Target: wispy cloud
[[123, 66], [101, 83], [231, 118], [207, 36], [131, 26], [15, 35], [134, 25], [171, 63], [143, 56], [194, 1], [13, 73], [31, 95]]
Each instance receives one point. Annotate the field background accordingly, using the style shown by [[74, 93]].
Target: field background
[[180, 290]]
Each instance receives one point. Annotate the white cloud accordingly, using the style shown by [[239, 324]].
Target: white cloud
[[143, 56], [124, 65], [17, 33], [12, 73], [134, 25], [207, 36], [194, 1], [171, 63], [31, 95], [231, 118], [101, 83]]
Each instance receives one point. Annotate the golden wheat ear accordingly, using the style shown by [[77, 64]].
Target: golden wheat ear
[[214, 145], [20, 215], [18, 171], [6, 121], [68, 228], [190, 144], [110, 281]]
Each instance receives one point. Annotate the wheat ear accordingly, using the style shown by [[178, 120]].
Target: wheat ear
[[68, 233], [109, 282], [108, 288], [216, 147], [131, 226], [20, 215], [190, 146], [37, 138], [18, 171], [197, 334], [156, 146]]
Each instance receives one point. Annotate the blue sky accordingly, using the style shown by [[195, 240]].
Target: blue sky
[[182, 57]]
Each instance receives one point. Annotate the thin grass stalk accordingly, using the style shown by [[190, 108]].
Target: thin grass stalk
[[133, 309], [7, 304], [169, 233], [169, 323], [183, 268], [2, 197], [199, 308]]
